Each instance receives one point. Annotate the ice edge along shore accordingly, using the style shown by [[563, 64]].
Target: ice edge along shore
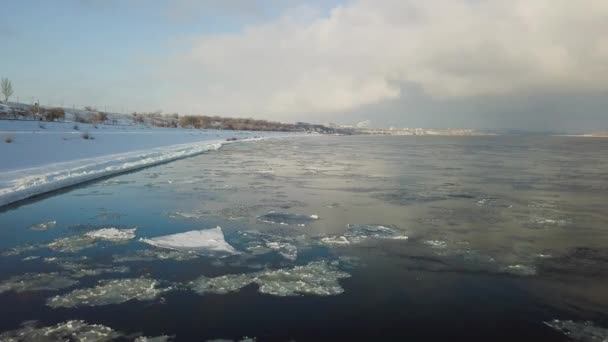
[[21, 184]]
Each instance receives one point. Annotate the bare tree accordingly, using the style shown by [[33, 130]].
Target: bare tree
[[7, 89]]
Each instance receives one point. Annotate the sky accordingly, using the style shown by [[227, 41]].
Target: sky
[[484, 64]]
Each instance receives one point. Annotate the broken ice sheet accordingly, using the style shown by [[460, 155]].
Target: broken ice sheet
[[357, 233], [316, 278], [110, 292], [287, 218], [43, 226], [36, 282], [67, 331], [204, 242], [579, 331]]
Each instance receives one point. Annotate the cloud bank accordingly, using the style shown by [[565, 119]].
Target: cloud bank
[[367, 52]]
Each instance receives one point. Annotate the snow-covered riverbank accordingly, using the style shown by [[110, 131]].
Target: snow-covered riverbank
[[37, 158]]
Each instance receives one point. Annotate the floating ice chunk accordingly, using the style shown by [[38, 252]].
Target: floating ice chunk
[[91, 272], [222, 284], [208, 241], [335, 240], [436, 243], [72, 244], [521, 270], [316, 278], [183, 215], [549, 222], [66, 331], [286, 250], [287, 218], [43, 226], [154, 255], [19, 249], [109, 292], [163, 338], [580, 331], [36, 282], [358, 233], [112, 234]]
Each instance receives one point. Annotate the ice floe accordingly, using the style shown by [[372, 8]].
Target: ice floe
[[43, 226], [110, 292], [112, 234], [208, 241], [19, 249], [77, 243], [163, 338], [436, 243], [154, 255], [286, 250], [579, 331], [357, 233], [72, 244], [67, 331], [316, 278], [521, 270], [37, 282], [287, 218]]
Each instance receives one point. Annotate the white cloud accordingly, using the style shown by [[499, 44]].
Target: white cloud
[[363, 52]]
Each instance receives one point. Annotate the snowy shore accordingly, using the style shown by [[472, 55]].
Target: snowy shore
[[43, 158]]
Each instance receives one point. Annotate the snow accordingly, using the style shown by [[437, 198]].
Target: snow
[[208, 241], [40, 160]]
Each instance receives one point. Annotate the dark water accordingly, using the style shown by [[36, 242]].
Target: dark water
[[503, 234]]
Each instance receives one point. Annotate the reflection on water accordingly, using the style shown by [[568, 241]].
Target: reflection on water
[[330, 238]]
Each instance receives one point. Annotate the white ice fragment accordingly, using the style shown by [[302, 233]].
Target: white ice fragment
[[72, 244], [316, 278], [580, 331], [43, 226], [208, 241], [66, 331], [436, 243], [521, 270], [154, 255], [286, 250], [358, 233], [222, 284], [36, 282], [163, 338], [335, 240], [109, 292], [112, 234]]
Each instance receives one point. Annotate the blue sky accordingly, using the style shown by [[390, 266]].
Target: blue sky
[[520, 64]]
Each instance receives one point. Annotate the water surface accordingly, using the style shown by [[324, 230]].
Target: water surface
[[417, 238]]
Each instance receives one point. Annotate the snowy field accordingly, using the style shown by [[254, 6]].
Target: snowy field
[[38, 157]]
